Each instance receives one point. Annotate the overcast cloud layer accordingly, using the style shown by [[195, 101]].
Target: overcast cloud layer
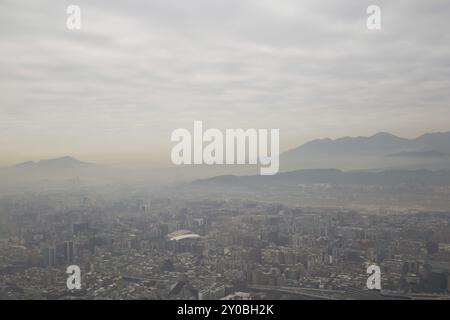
[[114, 90]]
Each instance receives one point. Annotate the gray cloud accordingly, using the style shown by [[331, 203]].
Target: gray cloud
[[137, 70]]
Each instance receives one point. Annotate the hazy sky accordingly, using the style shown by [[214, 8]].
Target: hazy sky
[[114, 90]]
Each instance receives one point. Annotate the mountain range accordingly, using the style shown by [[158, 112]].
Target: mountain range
[[380, 151], [66, 162], [380, 144], [334, 177]]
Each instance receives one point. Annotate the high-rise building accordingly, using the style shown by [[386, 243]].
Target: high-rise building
[[69, 252], [80, 227], [49, 255]]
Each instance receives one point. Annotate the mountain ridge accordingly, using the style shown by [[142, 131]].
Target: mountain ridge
[[65, 162], [381, 144], [332, 176]]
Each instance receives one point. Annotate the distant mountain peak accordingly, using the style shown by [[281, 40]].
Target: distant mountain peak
[[68, 158], [65, 162], [383, 149], [381, 142], [385, 135]]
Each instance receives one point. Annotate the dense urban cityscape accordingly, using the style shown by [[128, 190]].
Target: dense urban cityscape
[[163, 248]]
